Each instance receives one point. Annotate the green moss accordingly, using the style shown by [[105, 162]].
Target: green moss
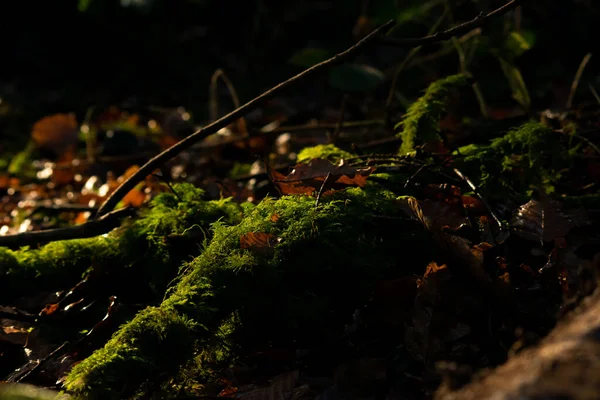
[[324, 151], [157, 243], [153, 343], [302, 290], [421, 121], [528, 156]]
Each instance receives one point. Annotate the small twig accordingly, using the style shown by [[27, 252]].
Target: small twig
[[338, 126], [88, 229], [291, 129], [321, 190], [457, 30], [577, 78], [594, 92], [583, 139], [465, 71], [326, 126], [42, 362], [58, 208], [208, 130], [413, 52], [164, 178], [413, 176], [214, 98], [478, 194], [214, 95], [19, 316], [444, 51]]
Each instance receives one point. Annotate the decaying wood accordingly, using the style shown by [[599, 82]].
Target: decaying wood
[[565, 365]]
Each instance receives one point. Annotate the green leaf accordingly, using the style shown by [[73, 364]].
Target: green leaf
[[355, 77], [518, 43], [83, 5], [309, 56], [517, 84]]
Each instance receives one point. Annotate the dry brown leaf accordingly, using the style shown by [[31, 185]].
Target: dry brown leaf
[[135, 198], [49, 309], [307, 178], [544, 220], [56, 132], [259, 242]]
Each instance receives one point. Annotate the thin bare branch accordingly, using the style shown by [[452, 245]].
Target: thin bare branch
[[102, 225], [457, 30], [214, 127]]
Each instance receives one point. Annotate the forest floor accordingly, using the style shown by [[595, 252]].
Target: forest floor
[[350, 238]]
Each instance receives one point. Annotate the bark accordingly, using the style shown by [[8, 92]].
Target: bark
[[564, 365]]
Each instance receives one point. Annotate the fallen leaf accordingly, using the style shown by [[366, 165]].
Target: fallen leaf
[[135, 198], [543, 220], [56, 132], [259, 242], [49, 309], [307, 178]]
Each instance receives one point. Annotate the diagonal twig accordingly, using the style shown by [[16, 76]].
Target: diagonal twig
[[88, 229], [457, 30], [208, 130]]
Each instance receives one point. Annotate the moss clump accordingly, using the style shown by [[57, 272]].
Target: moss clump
[[529, 155], [135, 352], [421, 122], [325, 151], [302, 289], [146, 243]]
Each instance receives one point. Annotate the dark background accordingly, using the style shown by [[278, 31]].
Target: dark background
[[57, 57]]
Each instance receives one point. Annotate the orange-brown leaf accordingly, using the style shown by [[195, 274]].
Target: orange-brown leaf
[[307, 178], [135, 198], [50, 309], [56, 132], [433, 268], [258, 242]]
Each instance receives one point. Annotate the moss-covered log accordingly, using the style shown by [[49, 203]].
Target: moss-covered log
[[146, 242], [299, 283]]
